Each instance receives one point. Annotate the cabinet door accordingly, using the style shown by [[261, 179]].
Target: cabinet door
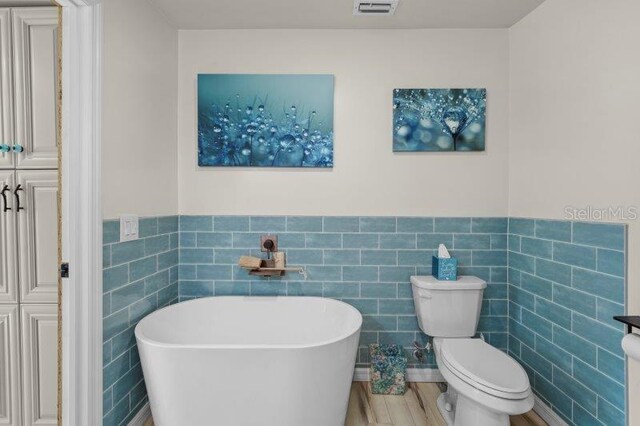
[[38, 235], [39, 332], [6, 97], [9, 366], [35, 70], [8, 245]]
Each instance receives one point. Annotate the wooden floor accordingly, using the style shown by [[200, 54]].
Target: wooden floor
[[417, 407]]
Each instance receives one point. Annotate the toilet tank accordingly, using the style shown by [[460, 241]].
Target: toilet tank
[[448, 308]]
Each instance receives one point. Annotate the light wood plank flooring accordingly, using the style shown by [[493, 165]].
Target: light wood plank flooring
[[417, 407]]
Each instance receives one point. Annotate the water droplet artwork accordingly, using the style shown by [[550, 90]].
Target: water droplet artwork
[[439, 119], [264, 120]]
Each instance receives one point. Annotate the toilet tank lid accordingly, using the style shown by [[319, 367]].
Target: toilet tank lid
[[464, 282]]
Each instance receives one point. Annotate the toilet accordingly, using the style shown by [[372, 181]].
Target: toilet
[[485, 385]]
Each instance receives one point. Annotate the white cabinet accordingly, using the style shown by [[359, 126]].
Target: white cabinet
[[29, 236], [8, 243], [28, 215], [9, 367], [37, 235], [6, 96], [35, 70], [39, 335], [29, 88], [28, 266]]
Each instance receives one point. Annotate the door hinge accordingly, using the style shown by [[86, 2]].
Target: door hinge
[[64, 270]]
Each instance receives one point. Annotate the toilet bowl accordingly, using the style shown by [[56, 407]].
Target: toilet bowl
[[485, 385]]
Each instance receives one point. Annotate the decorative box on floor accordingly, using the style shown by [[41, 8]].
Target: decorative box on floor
[[388, 369]]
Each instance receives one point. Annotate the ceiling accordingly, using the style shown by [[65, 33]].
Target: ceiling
[[226, 14]]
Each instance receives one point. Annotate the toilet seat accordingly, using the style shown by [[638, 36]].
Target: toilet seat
[[485, 368]]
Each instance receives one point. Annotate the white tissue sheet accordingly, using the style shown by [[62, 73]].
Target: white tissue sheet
[[443, 253]]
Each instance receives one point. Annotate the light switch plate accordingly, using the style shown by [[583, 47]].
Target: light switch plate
[[128, 227]]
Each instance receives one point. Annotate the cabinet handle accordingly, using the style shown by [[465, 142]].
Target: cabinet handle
[[18, 188], [4, 198], [18, 148], [4, 148]]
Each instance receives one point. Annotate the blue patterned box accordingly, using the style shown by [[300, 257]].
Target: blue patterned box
[[445, 269], [388, 369]]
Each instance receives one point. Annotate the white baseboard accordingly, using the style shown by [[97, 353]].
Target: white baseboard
[[413, 375], [143, 415], [547, 414]]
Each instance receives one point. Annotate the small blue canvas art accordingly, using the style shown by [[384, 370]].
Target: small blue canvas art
[[263, 120], [439, 119]]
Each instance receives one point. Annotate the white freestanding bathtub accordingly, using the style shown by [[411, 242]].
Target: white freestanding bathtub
[[248, 361]]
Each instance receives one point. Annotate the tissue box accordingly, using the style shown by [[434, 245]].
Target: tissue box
[[445, 269], [388, 369]]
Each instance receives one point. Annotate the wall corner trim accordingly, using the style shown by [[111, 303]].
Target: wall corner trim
[[143, 415], [547, 414]]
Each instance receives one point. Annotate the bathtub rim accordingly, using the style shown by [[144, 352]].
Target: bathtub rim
[[141, 338]]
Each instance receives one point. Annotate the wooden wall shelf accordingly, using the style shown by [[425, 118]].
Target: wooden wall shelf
[[276, 272]]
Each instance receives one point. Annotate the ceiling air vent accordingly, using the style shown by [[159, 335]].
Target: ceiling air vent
[[382, 7]]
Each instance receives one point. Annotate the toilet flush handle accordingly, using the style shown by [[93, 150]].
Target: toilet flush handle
[[424, 294]]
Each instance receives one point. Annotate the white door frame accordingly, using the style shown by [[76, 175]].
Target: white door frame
[[81, 212]]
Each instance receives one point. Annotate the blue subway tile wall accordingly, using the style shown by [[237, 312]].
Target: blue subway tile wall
[[553, 288], [364, 261], [566, 282], [139, 277]]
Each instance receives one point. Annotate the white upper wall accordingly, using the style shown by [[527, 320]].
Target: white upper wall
[[574, 91], [139, 172], [368, 178], [574, 137]]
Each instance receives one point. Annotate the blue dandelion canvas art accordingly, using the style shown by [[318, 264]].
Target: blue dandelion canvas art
[[439, 119], [263, 120]]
